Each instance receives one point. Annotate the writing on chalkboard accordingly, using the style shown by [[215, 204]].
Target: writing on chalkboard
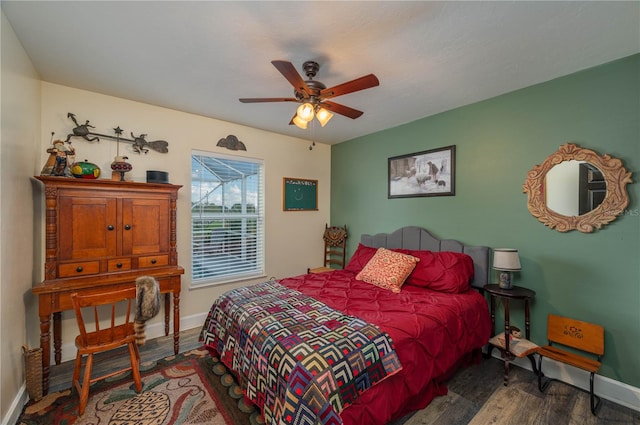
[[300, 194]]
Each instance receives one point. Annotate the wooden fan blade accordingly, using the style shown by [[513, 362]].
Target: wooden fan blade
[[358, 84], [341, 109], [289, 72], [267, 99]]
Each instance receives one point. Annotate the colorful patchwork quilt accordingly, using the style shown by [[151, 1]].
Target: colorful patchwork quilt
[[297, 359]]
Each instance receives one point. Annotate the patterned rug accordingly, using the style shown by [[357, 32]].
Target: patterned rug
[[191, 388]]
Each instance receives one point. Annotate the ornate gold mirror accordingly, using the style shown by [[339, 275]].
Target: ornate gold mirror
[[576, 188]]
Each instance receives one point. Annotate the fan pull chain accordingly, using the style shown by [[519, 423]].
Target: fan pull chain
[[313, 135]]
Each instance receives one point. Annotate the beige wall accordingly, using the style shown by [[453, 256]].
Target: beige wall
[[293, 239], [19, 139], [32, 109]]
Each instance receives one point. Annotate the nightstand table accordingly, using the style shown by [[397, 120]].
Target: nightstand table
[[516, 293]]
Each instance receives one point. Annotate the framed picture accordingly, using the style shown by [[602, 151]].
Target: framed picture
[[299, 194], [426, 173]]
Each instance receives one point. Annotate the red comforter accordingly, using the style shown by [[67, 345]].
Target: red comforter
[[433, 333]]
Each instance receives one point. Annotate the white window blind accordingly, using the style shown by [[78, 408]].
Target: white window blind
[[227, 218]]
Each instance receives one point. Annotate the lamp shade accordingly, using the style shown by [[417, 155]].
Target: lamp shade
[[299, 122], [305, 112], [506, 259], [323, 116]]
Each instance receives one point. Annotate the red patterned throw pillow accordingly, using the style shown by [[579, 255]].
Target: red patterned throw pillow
[[388, 269]]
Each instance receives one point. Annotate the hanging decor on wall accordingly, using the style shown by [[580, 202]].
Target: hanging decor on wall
[[140, 144], [299, 194], [231, 142], [426, 173], [595, 184]]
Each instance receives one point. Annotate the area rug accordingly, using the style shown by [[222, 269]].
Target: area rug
[[191, 388]]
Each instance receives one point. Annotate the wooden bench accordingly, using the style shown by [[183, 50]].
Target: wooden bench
[[582, 337]]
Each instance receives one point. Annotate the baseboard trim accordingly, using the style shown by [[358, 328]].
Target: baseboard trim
[[607, 388], [14, 411]]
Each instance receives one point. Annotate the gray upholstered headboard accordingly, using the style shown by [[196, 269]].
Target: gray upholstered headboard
[[413, 237]]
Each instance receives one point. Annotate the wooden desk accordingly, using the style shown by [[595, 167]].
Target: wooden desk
[[54, 297], [104, 233]]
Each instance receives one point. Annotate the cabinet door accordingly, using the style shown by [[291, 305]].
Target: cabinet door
[[87, 227], [145, 223]]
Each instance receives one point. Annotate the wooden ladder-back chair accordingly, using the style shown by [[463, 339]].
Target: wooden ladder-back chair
[[580, 336], [120, 332], [335, 247]]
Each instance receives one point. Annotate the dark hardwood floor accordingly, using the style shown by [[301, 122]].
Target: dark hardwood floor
[[476, 394], [153, 349]]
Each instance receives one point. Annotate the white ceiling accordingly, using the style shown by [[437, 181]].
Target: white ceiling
[[200, 57]]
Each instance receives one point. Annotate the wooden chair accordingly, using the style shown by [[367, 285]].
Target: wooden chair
[[580, 336], [119, 333], [335, 247]]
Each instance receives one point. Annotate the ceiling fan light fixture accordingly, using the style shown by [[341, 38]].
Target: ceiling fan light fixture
[[323, 116], [311, 95], [305, 112], [300, 122]]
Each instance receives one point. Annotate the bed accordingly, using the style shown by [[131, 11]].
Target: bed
[[401, 343]]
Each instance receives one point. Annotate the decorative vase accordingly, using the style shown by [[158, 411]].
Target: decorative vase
[[85, 170]]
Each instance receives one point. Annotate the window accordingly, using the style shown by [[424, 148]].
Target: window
[[227, 218]]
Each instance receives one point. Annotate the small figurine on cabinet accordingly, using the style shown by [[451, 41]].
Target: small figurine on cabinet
[[119, 167], [61, 155]]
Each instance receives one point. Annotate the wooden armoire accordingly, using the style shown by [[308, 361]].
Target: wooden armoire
[[105, 233]]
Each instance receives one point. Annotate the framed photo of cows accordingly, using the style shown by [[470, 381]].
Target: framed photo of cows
[[426, 173]]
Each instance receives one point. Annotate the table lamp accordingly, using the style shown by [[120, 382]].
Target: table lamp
[[506, 261]]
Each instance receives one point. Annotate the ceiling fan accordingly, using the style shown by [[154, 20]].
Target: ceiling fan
[[313, 96]]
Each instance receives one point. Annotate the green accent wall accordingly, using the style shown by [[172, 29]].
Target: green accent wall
[[593, 277]]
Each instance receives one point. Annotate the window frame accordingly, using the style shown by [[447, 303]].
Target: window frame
[[241, 257]]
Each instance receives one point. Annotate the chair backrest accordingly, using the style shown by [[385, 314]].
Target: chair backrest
[[114, 298], [573, 333], [335, 243]]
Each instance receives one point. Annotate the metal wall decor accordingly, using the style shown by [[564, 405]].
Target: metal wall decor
[[140, 144], [231, 142]]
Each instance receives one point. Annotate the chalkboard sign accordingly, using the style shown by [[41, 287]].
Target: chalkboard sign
[[300, 194]]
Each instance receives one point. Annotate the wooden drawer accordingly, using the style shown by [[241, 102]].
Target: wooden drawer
[[79, 269], [119, 264], [153, 261]]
